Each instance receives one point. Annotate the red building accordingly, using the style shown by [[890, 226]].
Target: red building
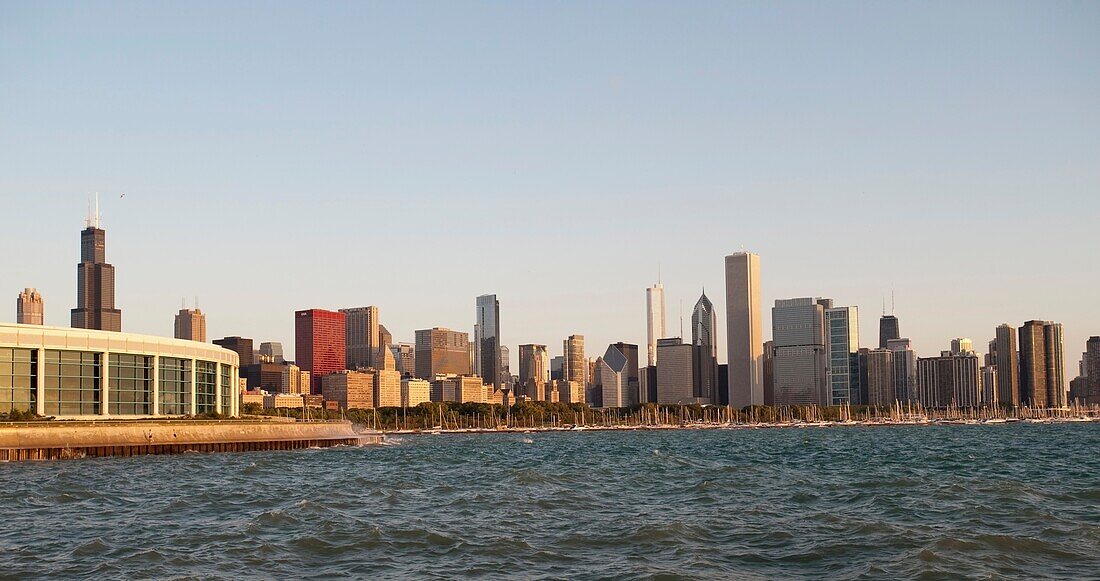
[[319, 344]]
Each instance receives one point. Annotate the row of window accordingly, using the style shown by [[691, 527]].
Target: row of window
[[73, 383]]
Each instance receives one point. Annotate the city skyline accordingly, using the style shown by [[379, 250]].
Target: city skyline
[[231, 171]]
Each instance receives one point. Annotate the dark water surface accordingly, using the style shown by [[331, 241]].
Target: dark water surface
[[885, 502]]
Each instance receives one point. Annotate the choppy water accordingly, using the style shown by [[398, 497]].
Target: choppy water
[[988, 501]]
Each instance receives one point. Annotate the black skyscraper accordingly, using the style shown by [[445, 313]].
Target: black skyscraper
[[95, 282]]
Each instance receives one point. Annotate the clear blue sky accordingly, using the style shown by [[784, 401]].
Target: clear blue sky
[[284, 155]]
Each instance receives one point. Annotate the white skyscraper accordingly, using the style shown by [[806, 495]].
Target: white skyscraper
[[655, 320], [744, 340]]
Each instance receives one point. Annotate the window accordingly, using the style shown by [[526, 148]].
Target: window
[[131, 384], [206, 387], [175, 386], [226, 389], [18, 379], [72, 383]]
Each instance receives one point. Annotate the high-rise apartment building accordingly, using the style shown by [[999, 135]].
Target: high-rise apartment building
[[95, 281], [888, 329], [841, 351], [905, 369], [487, 340], [655, 320], [319, 343], [239, 345], [29, 308], [191, 325], [362, 337], [1091, 365], [387, 388], [798, 332], [534, 371], [876, 367], [441, 351], [294, 380], [1042, 365], [1006, 360], [415, 391], [576, 366], [744, 341], [949, 380], [704, 325], [619, 379]]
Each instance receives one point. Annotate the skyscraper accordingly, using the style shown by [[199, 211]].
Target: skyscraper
[[950, 379], [487, 340], [1042, 365], [619, 380], [876, 367], [841, 349], [655, 320], [744, 342], [905, 369], [675, 372], [404, 355], [887, 329], [239, 345], [441, 351], [29, 308], [95, 281], [534, 371], [576, 366], [272, 351], [191, 325], [319, 343], [362, 337], [1092, 370], [798, 331], [704, 324], [1007, 363]]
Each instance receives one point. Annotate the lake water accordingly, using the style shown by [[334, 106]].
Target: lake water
[[885, 502]]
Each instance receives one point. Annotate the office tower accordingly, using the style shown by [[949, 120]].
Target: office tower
[[348, 389], [619, 378], [887, 329], [1007, 361], [798, 331], [676, 372], [1092, 370], [385, 338], [534, 371], [462, 389], [294, 380], [95, 281], [841, 350], [415, 391], [191, 325], [272, 351], [704, 325], [647, 385], [961, 346], [404, 355], [593, 393], [576, 366], [723, 384], [655, 320], [505, 365], [744, 342], [557, 368], [1042, 365], [320, 343], [29, 308], [876, 367], [905, 369], [950, 379], [239, 345], [441, 351], [769, 373], [362, 337], [263, 375], [989, 385], [487, 340]]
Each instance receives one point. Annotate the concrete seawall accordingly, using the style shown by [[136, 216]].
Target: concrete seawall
[[58, 440]]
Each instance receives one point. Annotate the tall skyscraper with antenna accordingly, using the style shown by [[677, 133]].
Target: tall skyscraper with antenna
[[95, 280], [888, 325], [655, 319]]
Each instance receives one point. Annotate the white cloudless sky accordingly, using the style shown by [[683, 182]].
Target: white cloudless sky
[[412, 155]]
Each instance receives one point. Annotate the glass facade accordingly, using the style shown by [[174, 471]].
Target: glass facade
[[226, 389], [206, 387], [175, 386], [131, 384], [72, 383], [18, 379]]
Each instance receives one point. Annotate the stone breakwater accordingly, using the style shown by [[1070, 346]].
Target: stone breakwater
[[61, 440]]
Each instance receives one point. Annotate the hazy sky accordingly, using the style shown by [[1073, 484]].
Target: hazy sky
[[285, 155]]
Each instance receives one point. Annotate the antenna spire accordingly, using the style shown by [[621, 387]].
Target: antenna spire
[[97, 210]]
